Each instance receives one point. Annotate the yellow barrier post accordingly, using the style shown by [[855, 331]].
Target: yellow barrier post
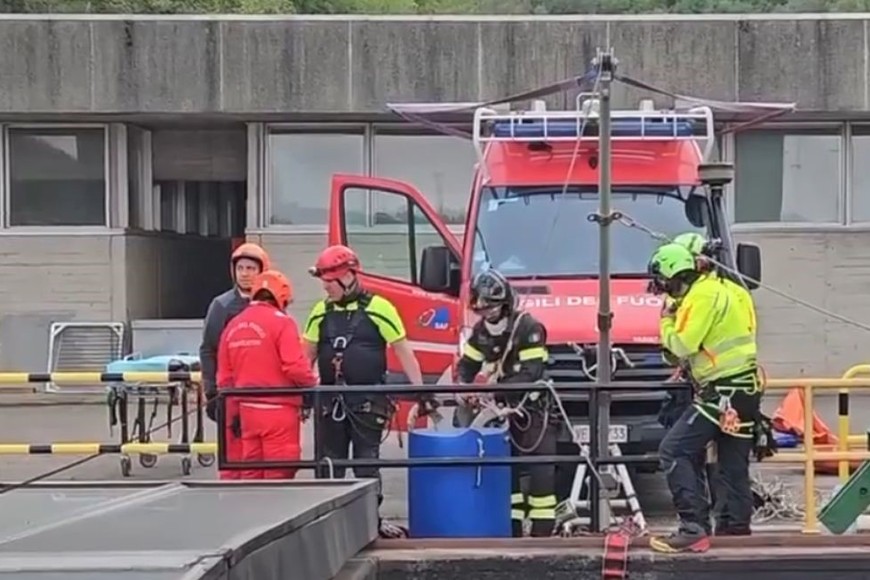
[[810, 521], [843, 421]]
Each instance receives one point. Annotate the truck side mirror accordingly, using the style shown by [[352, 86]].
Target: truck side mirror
[[439, 271], [749, 264], [696, 210]]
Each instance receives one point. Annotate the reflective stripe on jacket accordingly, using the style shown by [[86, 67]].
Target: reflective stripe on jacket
[[711, 331]]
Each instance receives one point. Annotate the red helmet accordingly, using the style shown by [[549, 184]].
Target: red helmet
[[334, 262], [250, 251], [276, 284]]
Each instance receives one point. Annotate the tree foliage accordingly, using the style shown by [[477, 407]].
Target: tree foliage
[[428, 6]]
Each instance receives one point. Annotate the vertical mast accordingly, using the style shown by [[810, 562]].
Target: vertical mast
[[606, 64]]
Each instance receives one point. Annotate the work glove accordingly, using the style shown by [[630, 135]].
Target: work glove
[[236, 426], [763, 441], [669, 309], [427, 405]]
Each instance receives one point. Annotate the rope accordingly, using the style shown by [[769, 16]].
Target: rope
[[630, 222], [780, 501], [574, 156]]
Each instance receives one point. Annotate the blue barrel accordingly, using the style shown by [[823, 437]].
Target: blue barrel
[[459, 502]]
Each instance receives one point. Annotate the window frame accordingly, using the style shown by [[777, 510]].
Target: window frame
[[350, 129], [833, 128], [6, 188], [417, 130], [863, 131], [411, 247]]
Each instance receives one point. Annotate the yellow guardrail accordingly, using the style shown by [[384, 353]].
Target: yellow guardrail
[[843, 421], [81, 378], [810, 455], [104, 449]]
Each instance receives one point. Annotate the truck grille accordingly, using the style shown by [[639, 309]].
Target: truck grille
[[566, 365]]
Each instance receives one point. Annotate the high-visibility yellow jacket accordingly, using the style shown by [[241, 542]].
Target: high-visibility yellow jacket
[[713, 330]]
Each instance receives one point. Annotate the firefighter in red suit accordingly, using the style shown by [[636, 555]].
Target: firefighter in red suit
[[261, 347]]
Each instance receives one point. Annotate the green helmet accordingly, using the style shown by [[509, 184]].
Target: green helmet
[[692, 241], [670, 260]]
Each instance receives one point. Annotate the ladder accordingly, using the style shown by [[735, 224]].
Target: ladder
[[616, 486]]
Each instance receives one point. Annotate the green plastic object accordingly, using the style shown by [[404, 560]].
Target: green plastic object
[[848, 503]]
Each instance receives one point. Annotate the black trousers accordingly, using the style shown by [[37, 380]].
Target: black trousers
[[359, 433], [681, 451], [534, 433]]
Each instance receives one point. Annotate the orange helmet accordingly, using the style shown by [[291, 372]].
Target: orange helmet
[[276, 284], [250, 251], [334, 262]]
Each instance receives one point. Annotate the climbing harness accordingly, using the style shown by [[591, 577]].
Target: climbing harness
[[339, 409]]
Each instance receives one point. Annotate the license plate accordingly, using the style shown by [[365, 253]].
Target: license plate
[[617, 433]]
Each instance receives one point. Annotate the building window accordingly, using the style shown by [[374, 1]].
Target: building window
[[440, 166], [301, 169], [57, 177], [788, 176], [860, 151]]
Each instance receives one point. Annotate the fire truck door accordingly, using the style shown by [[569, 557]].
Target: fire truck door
[[389, 223]]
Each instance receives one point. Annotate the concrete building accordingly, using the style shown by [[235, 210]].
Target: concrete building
[[134, 149]]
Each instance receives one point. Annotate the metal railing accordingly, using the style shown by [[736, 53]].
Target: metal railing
[[810, 456], [591, 392]]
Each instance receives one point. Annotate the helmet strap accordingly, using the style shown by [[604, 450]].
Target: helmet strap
[[351, 290], [496, 328]]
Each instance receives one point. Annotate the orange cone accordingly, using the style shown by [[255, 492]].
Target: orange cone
[[789, 418]]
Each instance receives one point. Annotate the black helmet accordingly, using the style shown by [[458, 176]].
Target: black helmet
[[490, 290]]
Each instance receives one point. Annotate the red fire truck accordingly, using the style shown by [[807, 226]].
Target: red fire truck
[[535, 186]]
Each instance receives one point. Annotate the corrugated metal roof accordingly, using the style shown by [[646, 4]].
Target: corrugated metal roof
[[190, 530]]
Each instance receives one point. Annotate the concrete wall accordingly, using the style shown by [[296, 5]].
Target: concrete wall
[[830, 270], [798, 563], [99, 278], [88, 64], [55, 278]]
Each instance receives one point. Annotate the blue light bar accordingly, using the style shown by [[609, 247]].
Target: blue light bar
[[623, 127]]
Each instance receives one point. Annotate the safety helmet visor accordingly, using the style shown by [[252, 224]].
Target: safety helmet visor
[[670, 260]]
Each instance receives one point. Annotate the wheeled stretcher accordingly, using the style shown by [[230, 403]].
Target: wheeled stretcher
[[172, 394]]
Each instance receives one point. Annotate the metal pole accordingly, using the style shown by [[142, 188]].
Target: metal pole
[[607, 64]]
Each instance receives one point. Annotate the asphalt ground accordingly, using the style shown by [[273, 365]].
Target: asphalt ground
[[43, 419]]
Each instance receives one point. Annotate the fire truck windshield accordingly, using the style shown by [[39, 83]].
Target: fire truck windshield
[[540, 232]]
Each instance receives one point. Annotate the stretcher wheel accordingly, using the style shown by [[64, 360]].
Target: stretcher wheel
[[186, 465], [126, 466], [205, 459], [147, 460]]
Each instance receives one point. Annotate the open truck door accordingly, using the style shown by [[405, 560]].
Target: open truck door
[[408, 256]]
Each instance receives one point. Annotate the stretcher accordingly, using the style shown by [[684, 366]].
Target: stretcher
[[173, 394]]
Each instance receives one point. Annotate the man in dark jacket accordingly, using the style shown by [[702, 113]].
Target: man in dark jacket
[[246, 262]]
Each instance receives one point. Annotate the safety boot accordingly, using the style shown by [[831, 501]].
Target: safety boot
[[681, 541]]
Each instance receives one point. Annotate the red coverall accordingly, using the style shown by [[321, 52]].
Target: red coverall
[[261, 347]]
